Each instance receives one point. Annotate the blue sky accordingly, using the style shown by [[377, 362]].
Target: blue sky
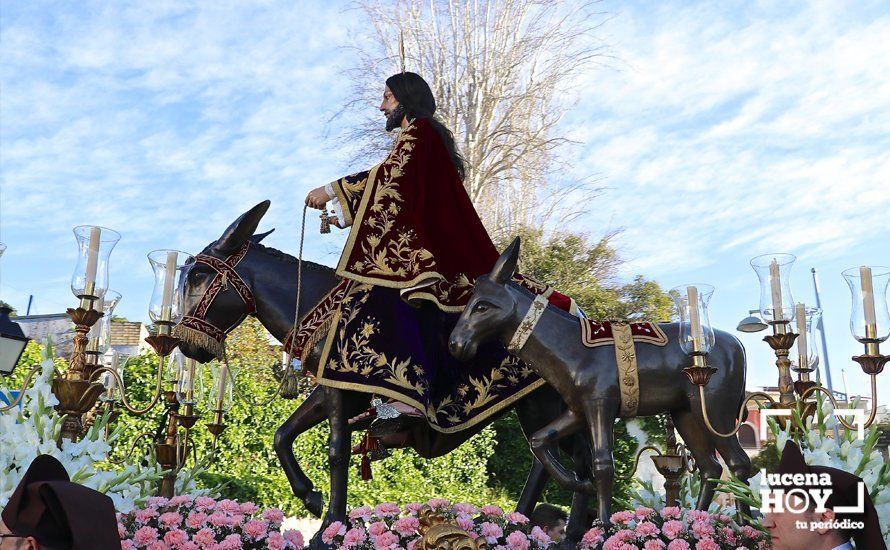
[[721, 131]]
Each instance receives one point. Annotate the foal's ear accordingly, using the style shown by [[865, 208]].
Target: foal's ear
[[506, 264], [241, 230], [260, 236]]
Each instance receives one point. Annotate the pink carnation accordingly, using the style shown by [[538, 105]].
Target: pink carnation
[[672, 528], [219, 519], [517, 541], [256, 529], [354, 537], [707, 544], [697, 515], [128, 544], [465, 523], [145, 515], [438, 503], [204, 503], [642, 512], [170, 520], [195, 520], [491, 531], [180, 500], [670, 512], [248, 508], [236, 519], [750, 532], [729, 535], [377, 528], [333, 530], [363, 512], [490, 510], [539, 535], [229, 506], [517, 518], [406, 526], [157, 502], [646, 529], [622, 518], [204, 537], [678, 544], [121, 531], [157, 545], [176, 537], [294, 537], [189, 545], [387, 509], [275, 541], [591, 538], [386, 541], [413, 507], [654, 544], [231, 542], [273, 515], [145, 535], [463, 508], [702, 530]]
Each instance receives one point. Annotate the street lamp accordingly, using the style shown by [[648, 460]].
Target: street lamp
[[12, 342]]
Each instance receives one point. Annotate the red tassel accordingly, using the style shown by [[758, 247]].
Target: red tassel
[[366, 468]]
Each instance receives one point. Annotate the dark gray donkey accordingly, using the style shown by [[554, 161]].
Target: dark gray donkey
[[587, 380]]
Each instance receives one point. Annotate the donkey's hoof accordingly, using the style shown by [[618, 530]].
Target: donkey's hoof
[[314, 503]]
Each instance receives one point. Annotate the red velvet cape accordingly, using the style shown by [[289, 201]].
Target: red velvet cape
[[414, 227]]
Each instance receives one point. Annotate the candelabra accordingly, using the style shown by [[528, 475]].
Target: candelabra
[[673, 463]]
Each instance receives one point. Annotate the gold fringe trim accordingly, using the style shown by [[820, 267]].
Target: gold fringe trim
[[320, 334], [203, 341]]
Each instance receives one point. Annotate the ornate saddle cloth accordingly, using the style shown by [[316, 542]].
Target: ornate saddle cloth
[[623, 336], [601, 333]]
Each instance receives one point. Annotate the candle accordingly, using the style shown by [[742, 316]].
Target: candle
[[775, 283], [800, 312], [868, 302], [190, 391], [167, 296], [221, 386], [92, 261], [694, 317]]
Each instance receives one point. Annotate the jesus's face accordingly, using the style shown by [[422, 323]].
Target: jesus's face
[[389, 102]]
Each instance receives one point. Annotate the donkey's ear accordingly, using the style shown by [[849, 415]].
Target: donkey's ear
[[260, 236], [241, 230], [506, 264]]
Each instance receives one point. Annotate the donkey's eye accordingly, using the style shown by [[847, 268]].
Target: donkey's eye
[[480, 307]]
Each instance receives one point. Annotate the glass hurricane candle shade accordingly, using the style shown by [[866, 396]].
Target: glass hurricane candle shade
[[190, 388], [94, 246], [219, 394], [774, 273], [696, 333], [166, 298], [869, 320], [100, 333], [115, 361], [806, 344]]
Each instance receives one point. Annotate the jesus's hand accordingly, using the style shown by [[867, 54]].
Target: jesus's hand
[[317, 198]]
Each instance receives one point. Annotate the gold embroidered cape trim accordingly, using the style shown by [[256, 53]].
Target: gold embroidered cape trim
[[591, 339], [382, 391], [628, 376]]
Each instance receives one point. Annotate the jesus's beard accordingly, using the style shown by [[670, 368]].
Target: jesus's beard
[[394, 118]]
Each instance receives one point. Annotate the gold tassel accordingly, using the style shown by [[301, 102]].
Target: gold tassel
[[290, 388], [198, 338]]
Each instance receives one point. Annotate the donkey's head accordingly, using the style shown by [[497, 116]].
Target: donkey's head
[[491, 309], [218, 295]]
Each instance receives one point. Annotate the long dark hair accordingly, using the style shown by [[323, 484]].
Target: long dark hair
[[412, 91]]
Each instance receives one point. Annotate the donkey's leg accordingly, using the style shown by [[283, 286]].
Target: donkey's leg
[[700, 442], [338, 455], [600, 416], [736, 459], [577, 524], [310, 413], [534, 486], [542, 444]]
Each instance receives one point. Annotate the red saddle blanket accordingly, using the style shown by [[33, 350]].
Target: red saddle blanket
[[599, 333]]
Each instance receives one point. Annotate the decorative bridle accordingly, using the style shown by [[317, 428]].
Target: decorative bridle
[[527, 325], [225, 275]]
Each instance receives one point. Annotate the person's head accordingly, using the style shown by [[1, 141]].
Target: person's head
[[49, 512], [551, 520], [11, 541], [407, 96]]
